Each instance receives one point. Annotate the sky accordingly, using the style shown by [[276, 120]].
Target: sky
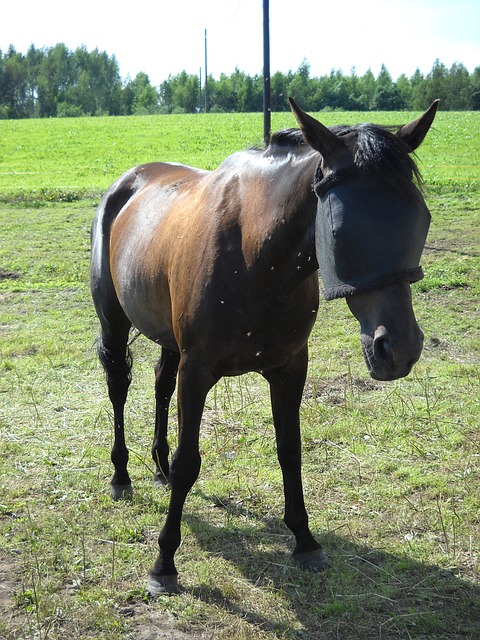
[[163, 37]]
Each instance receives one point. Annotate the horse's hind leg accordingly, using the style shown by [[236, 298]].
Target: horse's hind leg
[[165, 380], [286, 388], [114, 354]]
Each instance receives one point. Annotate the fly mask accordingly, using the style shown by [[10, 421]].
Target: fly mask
[[367, 234]]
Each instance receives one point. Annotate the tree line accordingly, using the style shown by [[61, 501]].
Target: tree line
[[58, 82]]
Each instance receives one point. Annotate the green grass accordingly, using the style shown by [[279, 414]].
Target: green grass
[[65, 159], [391, 471]]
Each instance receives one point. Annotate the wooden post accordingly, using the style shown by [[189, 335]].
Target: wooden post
[[206, 75], [266, 74]]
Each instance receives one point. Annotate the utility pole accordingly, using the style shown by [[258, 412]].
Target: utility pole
[[206, 75], [266, 74]]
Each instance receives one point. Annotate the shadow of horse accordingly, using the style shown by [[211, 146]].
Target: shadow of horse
[[365, 593]]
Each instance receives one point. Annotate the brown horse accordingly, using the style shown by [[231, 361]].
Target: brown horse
[[220, 269]]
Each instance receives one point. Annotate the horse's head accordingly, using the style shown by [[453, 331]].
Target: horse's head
[[371, 227]]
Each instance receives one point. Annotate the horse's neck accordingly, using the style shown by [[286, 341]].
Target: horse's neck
[[284, 241]]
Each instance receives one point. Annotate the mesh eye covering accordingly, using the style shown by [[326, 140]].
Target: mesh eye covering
[[367, 235]]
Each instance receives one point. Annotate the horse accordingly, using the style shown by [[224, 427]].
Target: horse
[[220, 268]]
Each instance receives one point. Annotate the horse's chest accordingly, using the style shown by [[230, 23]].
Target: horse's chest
[[263, 332]]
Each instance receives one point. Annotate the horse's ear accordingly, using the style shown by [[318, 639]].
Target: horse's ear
[[318, 136], [414, 132]]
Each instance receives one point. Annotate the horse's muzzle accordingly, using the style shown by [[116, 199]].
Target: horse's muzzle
[[387, 360]]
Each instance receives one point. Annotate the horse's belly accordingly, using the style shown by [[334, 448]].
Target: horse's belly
[[152, 325]]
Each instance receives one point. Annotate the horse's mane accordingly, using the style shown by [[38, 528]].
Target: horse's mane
[[285, 142], [287, 138], [376, 151]]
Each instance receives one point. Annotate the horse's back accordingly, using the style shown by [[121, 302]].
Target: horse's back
[[133, 181]]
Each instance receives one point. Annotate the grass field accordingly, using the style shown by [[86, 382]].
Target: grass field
[[391, 470]]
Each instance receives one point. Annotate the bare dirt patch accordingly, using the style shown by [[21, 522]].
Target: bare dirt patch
[[11, 616], [151, 624], [5, 274], [333, 391]]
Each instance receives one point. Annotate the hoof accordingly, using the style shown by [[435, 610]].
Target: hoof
[[162, 585], [313, 561], [121, 491], [160, 481]]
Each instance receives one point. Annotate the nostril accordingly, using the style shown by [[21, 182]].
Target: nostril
[[382, 349]]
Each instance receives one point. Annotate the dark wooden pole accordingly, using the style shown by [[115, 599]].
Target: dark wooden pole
[[206, 75], [266, 74]]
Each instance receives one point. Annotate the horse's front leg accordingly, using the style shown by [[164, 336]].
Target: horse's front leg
[[165, 380], [286, 388], [194, 382]]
